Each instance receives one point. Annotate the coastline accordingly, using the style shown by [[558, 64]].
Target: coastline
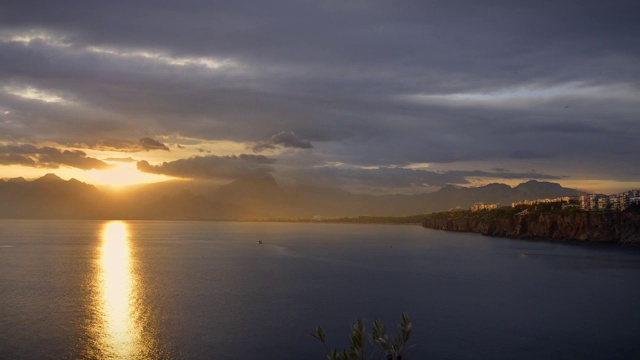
[[590, 227]]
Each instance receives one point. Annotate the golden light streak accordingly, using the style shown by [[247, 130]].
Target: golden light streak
[[120, 336]]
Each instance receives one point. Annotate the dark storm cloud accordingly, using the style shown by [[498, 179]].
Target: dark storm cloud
[[407, 178], [48, 157], [526, 154], [16, 159], [350, 33], [120, 145], [213, 167], [367, 82], [286, 139], [501, 175], [152, 144]]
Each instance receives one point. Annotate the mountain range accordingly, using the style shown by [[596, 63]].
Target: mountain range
[[244, 199]]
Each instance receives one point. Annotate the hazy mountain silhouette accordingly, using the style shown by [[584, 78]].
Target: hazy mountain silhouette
[[249, 198], [50, 197], [450, 196], [188, 206], [304, 202]]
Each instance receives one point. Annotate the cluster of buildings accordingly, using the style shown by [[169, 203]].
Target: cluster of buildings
[[616, 202], [566, 200], [590, 202], [561, 200], [482, 206]]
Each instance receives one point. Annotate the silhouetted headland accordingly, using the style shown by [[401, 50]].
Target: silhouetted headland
[[585, 226]]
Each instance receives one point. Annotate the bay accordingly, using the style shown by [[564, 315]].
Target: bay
[[208, 290]]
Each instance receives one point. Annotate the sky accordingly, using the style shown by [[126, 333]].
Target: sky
[[376, 96]]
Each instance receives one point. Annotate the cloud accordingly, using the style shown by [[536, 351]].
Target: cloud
[[121, 145], [16, 159], [494, 84], [151, 144], [161, 58], [290, 139], [124, 160], [529, 95], [388, 178], [48, 157], [35, 94], [213, 167], [285, 139]]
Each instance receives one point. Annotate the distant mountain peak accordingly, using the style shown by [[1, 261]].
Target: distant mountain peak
[[496, 186], [75, 181], [449, 187], [538, 184], [17, 180], [49, 178]]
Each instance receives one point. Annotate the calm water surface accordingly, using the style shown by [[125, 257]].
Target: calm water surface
[[207, 290]]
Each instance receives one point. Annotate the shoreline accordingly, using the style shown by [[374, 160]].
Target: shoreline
[[584, 227]]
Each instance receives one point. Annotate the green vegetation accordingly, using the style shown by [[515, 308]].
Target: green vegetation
[[358, 348]]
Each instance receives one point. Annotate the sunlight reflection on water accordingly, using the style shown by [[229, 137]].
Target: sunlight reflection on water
[[118, 331]]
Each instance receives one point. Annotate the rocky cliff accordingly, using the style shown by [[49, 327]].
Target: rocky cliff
[[611, 227]]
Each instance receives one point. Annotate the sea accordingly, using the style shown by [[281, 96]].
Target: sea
[[241, 290]]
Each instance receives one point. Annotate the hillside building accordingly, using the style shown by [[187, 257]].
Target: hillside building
[[615, 202], [482, 206]]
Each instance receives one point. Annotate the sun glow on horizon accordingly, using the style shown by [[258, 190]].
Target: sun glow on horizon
[[122, 175]]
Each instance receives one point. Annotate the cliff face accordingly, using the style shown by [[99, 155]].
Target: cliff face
[[582, 226]]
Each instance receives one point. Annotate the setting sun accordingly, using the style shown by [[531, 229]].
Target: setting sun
[[122, 174]]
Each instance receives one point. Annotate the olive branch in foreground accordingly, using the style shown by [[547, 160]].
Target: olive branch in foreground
[[378, 338]]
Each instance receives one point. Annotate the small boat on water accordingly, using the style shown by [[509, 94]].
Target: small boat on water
[[259, 241]]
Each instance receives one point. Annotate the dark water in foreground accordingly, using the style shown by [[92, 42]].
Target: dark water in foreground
[[207, 290]]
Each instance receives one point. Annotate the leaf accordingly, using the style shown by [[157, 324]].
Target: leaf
[[319, 334], [405, 327]]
